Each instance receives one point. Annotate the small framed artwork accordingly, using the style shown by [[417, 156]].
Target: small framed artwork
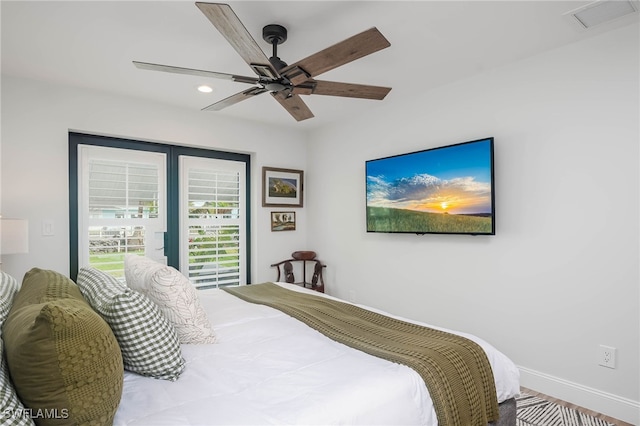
[[282, 187], [283, 221]]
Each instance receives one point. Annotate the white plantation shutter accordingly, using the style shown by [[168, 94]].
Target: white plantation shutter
[[213, 222], [121, 206]]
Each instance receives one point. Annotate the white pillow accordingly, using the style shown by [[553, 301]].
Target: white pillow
[[138, 271], [176, 297]]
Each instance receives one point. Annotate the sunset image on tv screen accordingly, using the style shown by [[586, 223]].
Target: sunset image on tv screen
[[441, 190]]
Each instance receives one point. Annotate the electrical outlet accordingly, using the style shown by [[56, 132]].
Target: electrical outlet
[[607, 356]]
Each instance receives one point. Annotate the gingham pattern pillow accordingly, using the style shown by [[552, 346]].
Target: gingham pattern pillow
[[12, 411], [9, 286], [148, 341]]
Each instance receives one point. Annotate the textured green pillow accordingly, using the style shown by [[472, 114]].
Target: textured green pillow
[[63, 358]]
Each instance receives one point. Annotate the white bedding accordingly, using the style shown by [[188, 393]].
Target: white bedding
[[268, 368]]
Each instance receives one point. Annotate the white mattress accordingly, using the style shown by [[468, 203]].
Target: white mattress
[[268, 368]]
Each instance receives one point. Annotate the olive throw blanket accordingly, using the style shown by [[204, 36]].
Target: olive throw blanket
[[455, 369]]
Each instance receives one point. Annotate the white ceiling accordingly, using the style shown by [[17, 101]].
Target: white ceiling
[[91, 44]]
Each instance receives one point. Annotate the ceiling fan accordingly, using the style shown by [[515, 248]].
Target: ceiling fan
[[284, 82]]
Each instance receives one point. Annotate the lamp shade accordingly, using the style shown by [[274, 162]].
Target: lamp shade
[[14, 236]]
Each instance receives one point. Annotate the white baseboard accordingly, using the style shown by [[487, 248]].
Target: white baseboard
[[608, 404]]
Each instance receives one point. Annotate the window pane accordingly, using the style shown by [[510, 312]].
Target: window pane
[[109, 244], [214, 255], [122, 190], [213, 194]]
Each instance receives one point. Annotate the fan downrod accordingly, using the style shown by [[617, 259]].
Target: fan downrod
[[275, 34]]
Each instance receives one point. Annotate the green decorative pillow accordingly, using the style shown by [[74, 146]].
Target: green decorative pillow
[[63, 357]]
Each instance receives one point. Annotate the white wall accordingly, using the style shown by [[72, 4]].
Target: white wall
[[36, 120], [561, 275]]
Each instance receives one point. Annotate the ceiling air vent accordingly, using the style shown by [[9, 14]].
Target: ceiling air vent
[[602, 11]]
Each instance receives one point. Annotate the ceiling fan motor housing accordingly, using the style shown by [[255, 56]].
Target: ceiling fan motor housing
[[277, 63]]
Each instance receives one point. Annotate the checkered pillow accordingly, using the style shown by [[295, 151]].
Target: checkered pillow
[[148, 341], [8, 289], [12, 412]]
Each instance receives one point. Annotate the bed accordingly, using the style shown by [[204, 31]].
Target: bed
[[269, 368], [155, 351]]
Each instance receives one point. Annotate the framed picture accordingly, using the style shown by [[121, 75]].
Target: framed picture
[[283, 221], [282, 187]]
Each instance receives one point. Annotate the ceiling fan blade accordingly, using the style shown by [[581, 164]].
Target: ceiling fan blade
[[294, 105], [348, 50], [349, 90], [191, 71], [227, 22], [234, 99]]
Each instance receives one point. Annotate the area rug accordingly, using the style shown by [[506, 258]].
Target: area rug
[[535, 411]]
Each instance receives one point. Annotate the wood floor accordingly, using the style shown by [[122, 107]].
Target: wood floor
[[576, 407]]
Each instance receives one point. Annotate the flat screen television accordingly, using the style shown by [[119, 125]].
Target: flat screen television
[[444, 190]]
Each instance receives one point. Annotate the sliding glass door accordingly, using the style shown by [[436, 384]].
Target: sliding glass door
[[181, 206]]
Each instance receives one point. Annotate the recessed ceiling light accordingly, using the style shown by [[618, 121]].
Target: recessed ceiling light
[[205, 89]]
